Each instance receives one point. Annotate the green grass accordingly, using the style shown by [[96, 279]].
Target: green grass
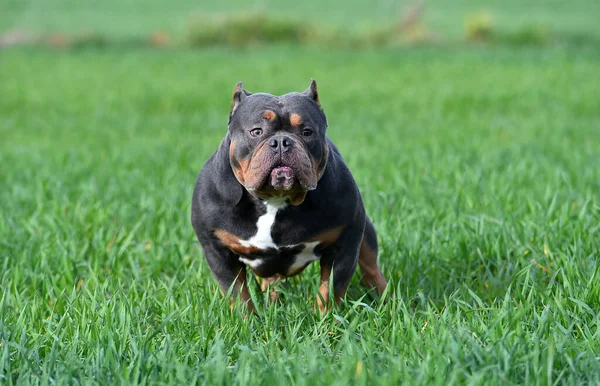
[[479, 167]]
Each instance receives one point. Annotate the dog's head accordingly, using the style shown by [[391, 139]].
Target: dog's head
[[278, 145]]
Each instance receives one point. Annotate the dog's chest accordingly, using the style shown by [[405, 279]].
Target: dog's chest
[[265, 256]]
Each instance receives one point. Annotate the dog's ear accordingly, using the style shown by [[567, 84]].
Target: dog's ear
[[239, 94], [312, 93]]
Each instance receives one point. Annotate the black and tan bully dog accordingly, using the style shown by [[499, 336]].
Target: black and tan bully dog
[[276, 196]]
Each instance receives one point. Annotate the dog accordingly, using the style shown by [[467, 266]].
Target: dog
[[277, 195]]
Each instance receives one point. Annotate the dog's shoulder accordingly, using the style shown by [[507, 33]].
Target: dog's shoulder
[[216, 188]]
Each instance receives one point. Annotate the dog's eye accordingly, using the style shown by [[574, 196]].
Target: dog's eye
[[307, 132], [256, 132]]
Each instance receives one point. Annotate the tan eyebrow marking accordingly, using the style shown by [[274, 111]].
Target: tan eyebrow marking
[[295, 119], [270, 115]]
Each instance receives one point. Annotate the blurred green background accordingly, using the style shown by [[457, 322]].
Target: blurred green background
[[471, 127], [130, 17]]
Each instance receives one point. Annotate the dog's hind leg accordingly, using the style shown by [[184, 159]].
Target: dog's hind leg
[[371, 275]]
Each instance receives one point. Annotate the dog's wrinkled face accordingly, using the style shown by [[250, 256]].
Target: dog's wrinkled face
[[278, 146]]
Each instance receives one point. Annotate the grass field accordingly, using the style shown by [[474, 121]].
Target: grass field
[[480, 167]]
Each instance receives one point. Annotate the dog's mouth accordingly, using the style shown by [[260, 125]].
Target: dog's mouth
[[282, 178]]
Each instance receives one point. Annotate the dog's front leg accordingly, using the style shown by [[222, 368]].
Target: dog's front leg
[[340, 258], [228, 270]]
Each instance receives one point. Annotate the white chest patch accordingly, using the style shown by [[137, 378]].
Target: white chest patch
[[262, 239]]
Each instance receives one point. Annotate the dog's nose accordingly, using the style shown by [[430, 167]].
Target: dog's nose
[[281, 143]]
